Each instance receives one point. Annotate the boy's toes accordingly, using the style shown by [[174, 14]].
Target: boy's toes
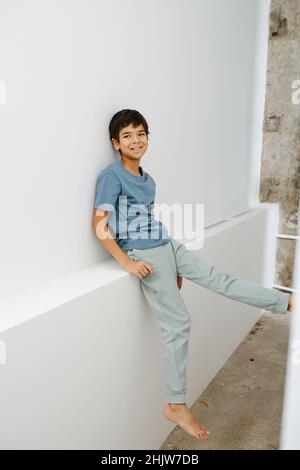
[[203, 433]]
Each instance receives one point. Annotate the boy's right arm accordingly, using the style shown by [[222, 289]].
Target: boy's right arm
[[101, 229]]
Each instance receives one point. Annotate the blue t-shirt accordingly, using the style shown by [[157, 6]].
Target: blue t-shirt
[[130, 199]]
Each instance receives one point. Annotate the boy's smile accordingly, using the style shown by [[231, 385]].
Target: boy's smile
[[133, 143]]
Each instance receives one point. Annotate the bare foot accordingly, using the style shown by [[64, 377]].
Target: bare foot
[[291, 303], [180, 414]]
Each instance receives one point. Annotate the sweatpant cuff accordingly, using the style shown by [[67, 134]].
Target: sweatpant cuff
[[178, 398], [282, 302]]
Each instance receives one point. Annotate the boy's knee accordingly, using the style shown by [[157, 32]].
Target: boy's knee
[[189, 324], [182, 328], [185, 326]]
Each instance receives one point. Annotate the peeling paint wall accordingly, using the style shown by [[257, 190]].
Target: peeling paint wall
[[280, 170]]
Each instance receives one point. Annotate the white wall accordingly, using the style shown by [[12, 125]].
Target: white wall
[[69, 65], [259, 94]]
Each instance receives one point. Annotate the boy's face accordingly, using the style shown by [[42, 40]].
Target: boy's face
[[133, 142]]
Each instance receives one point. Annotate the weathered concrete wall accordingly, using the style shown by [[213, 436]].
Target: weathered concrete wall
[[280, 171]]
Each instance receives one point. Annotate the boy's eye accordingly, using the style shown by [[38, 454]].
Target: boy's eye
[[141, 133]]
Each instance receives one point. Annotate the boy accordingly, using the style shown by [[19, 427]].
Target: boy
[[159, 261]]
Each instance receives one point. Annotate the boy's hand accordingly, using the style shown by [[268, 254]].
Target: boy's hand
[[140, 269], [179, 282]]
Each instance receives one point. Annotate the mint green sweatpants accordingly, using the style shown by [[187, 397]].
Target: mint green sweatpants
[[163, 296]]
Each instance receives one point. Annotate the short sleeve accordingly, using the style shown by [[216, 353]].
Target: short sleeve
[[108, 188]]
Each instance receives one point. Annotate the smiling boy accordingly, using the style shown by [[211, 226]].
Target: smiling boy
[[147, 251]]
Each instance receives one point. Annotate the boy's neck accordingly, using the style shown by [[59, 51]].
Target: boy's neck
[[131, 165]]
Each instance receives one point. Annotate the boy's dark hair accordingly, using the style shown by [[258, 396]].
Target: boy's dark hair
[[124, 118]]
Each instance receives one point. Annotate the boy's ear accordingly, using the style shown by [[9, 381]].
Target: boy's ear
[[114, 143]]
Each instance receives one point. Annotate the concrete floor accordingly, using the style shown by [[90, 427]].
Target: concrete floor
[[242, 406]]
